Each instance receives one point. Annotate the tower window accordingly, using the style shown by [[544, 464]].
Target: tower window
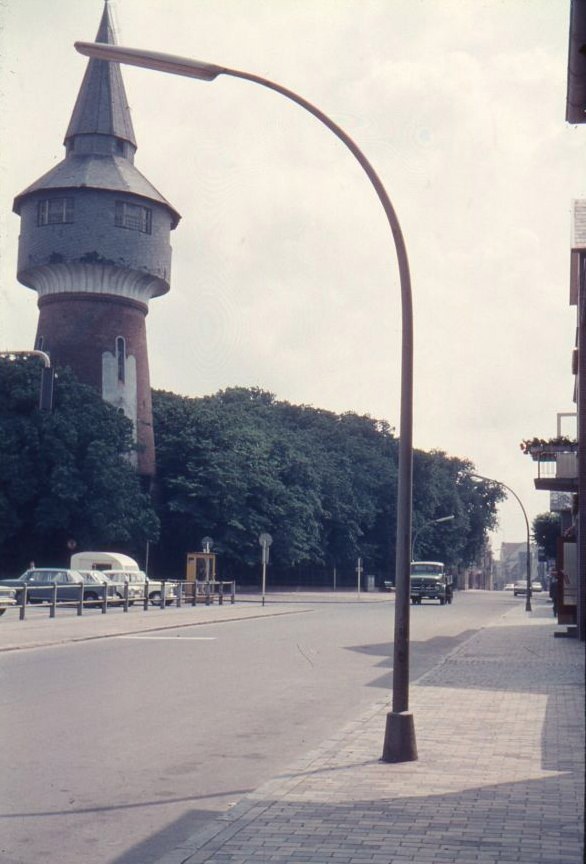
[[121, 358], [133, 216], [54, 211]]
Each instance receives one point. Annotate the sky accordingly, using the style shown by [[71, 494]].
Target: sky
[[284, 267]]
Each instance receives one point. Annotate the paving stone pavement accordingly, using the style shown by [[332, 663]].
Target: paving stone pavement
[[499, 778]]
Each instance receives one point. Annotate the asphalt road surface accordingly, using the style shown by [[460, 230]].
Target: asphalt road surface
[[114, 751]]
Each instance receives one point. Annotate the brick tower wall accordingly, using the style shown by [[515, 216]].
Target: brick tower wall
[[81, 330]]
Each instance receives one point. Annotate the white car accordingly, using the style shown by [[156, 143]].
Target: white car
[[136, 585], [7, 598]]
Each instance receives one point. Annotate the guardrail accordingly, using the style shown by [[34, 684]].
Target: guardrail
[[171, 593]]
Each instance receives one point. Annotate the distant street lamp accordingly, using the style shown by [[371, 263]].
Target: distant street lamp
[[399, 744], [508, 488], [426, 525]]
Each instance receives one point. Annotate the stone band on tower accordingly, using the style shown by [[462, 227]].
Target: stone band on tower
[[95, 246]]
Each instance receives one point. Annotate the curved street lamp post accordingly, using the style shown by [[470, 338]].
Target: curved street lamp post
[[399, 743], [528, 571], [425, 525]]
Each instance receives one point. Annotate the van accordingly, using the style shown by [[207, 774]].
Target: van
[[102, 561]]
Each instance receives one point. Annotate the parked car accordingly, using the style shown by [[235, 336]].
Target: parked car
[[94, 581], [510, 586], [536, 587], [520, 587], [40, 580], [137, 580], [7, 598]]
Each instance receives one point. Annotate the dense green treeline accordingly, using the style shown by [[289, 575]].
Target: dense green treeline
[[239, 463], [229, 466]]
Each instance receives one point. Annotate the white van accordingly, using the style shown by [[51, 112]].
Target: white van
[[102, 561]]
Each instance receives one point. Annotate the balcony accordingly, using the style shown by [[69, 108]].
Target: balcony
[[557, 466]]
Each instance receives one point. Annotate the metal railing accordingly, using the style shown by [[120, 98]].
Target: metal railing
[[168, 593]]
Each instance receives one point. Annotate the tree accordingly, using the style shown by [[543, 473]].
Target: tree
[[546, 530], [65, 475], [241, 462]]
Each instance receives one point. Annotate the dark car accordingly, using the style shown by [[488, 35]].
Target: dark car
[[40, 581]]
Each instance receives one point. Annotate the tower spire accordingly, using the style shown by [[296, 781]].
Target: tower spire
[[101, 108]]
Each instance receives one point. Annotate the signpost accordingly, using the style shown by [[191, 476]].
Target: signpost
[[265, 541]]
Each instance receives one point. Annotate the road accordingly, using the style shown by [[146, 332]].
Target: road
[[122, 747]]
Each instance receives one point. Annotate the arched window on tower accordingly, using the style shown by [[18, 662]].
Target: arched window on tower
[[121, 358]]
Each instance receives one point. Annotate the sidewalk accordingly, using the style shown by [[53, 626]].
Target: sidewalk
[[499, 779]]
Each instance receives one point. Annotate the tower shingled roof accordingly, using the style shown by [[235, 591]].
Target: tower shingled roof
[[102, 106]]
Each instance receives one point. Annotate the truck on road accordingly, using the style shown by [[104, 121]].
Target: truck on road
[[430, 581]]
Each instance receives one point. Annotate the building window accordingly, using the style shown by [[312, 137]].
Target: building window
[[133, 216], [55, 211], [121, 358]]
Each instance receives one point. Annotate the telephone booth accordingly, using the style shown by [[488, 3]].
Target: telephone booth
[[201, 568]]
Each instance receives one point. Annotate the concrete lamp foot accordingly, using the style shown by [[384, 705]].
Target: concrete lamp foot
[[399, 744]]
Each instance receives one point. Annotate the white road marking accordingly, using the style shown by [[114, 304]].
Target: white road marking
[[192, 638]]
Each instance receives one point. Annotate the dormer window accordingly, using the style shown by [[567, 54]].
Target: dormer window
[[133, 216], [55, 211]]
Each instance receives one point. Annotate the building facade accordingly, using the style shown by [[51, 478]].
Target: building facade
[[95, 246]]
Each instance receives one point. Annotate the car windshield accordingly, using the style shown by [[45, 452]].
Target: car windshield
[[427, 569]]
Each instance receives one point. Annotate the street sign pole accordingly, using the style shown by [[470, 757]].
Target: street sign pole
[[265, 541]]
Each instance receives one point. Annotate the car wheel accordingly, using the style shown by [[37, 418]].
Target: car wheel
[[2, 611], [90, 596], [155, 598]]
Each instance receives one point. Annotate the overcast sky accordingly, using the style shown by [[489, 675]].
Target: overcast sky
[[284, 270]]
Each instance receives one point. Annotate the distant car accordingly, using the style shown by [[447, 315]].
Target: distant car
[[536, 587], [520, 588], [7, 598], [509, 586]]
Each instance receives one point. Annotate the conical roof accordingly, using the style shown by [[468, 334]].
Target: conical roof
[[102, 107]]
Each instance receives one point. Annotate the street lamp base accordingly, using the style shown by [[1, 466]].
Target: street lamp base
[[399, 744]]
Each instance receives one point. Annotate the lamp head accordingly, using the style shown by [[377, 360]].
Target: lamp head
[[150, 60]]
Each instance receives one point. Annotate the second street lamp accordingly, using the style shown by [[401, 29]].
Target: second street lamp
[[399, 743], [426, 525], [528, 566]]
